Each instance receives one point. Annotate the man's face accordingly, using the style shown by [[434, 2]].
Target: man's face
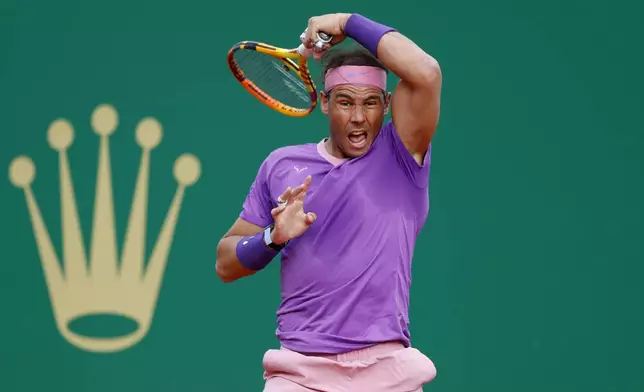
[[356, 114]]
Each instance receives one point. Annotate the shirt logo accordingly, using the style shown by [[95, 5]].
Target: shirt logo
[[299, 168]]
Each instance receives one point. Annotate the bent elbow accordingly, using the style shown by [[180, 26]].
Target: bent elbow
[[427, 74], [227, 267], [220, 268], [432, 74], [221, 273]]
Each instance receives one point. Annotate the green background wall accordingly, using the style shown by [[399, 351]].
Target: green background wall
[[527, 276]]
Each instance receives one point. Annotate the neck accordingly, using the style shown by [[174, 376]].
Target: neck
[[332, 149]]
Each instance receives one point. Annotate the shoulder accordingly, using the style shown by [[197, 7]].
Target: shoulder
[[391, 141], [283, 156], [295, 150]]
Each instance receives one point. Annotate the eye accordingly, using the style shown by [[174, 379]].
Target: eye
[[372, 103], [344, 103]]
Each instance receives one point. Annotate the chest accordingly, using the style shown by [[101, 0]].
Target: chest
[[360, 188]]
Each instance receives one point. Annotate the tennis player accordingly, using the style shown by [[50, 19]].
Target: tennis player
[[345, 214]]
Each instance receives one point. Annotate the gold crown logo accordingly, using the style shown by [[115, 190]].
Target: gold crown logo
[[102, 286]]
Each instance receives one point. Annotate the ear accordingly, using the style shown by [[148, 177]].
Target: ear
[[324, 103], [387, 103]]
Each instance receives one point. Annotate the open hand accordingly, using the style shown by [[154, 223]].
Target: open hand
[[290, 219]]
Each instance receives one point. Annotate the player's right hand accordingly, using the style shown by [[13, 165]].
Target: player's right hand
[[290, 219]]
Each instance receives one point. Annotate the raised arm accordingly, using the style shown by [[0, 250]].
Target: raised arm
[[415, 104]]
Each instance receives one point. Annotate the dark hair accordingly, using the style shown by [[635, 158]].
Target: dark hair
[[355, 55]]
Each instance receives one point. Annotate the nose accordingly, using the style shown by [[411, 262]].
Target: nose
[[357, 114]]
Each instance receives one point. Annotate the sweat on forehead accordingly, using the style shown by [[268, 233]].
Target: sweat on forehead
[[357, 75]]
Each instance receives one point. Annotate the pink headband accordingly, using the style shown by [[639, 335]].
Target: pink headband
[[356, 74]]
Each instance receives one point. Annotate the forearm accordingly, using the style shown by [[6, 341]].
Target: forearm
[[228, 266], [405, 59], [239, 256], [397, 52]]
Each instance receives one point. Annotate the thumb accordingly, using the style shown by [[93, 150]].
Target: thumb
[[277, 210]]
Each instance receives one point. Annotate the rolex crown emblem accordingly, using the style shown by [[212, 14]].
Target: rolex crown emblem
[[95, 283]]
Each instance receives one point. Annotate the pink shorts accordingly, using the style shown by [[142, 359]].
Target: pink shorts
[[388, 367]]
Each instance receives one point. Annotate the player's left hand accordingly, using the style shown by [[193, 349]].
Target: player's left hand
[[332, 24]]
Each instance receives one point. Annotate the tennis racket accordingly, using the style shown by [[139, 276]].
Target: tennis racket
[[277, 77]]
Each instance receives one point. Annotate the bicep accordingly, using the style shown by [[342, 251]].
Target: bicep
[[415, 111], [243, 228], [258, 203]]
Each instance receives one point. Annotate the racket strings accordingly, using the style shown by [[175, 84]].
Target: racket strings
[[274, 77]]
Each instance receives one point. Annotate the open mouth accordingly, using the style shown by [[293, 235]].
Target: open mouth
[[358, 139]]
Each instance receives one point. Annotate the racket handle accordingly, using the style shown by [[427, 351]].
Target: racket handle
[[323, 38], [304, 51]]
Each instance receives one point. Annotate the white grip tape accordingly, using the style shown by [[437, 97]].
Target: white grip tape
[[318, 44], [302, 50]]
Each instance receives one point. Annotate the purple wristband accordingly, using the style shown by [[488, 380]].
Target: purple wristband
[[253, 253], [366, 32]]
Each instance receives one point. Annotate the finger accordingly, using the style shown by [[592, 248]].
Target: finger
[[284, 196], [296, 193], [307, 182], [310, 218], [277, 210], [301, 188], [301, 196], [311, 34], [304, 37], [320, 47]]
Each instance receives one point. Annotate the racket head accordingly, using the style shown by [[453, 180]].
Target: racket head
[[277, 77]]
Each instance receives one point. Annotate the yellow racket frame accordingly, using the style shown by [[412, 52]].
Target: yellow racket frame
[[295, 59]]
